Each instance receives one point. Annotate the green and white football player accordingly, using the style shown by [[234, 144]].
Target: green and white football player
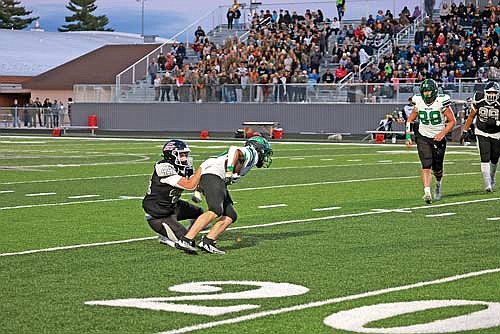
[[436, 119]]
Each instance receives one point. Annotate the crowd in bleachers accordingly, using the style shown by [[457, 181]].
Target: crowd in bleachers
[[286, 52]]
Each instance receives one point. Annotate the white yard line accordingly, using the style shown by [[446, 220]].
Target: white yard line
[[39, 194], [493, 218], [74, 179], [6, 191], [328, 209], [441, 214], [83, 196], [61, 204], [368, 213], [272, 206], [52, 249], [328, 302]]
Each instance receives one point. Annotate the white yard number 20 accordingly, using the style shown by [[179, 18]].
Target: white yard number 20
[[203, 290]]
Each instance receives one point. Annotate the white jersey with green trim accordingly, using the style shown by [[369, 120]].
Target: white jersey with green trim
[[217, 166], [431, 117]]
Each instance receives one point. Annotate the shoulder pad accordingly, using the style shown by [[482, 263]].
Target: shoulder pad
[[165, 169]]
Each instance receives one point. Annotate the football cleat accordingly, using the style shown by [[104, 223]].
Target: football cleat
[[488, 189], [209, 246], [428, 198], [166, 241], [186, 245], [437, 193]]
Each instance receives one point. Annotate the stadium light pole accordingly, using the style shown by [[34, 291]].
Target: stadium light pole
[[142, 16]]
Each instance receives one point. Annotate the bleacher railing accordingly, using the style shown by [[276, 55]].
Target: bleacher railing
[[139, 70], [271, 93]]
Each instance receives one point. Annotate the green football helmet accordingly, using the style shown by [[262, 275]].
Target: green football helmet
[[429, 85], [263, 149]]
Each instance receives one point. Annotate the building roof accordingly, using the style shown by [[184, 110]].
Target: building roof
[[97, 67], [30, 53]]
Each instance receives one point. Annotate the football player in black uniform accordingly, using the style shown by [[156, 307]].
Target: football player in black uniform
[[486, 110], [171, 176]]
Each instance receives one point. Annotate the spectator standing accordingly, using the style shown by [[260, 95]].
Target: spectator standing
[[15, 110], [38, 105], [166, 83], [47, 107], [340, 8], [152, 71], [429, 7], [162, 60], [157, 85], [230, 18]]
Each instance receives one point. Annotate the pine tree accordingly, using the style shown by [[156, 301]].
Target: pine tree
[[11, 15], [83, 18]]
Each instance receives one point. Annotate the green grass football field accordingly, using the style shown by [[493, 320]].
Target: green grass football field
[[333, 238]]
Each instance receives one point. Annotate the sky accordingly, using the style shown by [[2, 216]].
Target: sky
[[168, 17]]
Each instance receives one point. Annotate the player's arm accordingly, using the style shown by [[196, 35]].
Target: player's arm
[[467, 124], [235, 157], [470, 119], [192, 182], [410, 120], [448, 113]]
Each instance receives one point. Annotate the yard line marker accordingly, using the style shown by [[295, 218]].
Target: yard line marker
[[390, 210], [328, 302], [354, 160], [131, 197], [77, 246], [442, 214], [242, 227], [493, 218], [61, 204], [84, 196], [385, 161], [297, 158], [326, 159], [271, 206], [74, 179], [39, 194], [328, 209], [6, 191]]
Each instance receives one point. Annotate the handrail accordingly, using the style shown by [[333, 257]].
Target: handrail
[[408, 29], [363, 68], [158, 49], [345, 80], [244, 36]]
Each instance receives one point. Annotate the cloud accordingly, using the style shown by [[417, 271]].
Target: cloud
[[164, 23]]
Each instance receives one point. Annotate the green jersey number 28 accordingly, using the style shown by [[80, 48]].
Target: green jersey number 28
[[433, 117]]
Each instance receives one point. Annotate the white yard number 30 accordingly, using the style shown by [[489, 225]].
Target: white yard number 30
[[205, 291]]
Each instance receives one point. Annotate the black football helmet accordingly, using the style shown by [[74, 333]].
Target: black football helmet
[[492, 91], [176, 152], [263, 149]]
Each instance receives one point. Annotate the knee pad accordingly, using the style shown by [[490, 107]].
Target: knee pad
[[438, 174]]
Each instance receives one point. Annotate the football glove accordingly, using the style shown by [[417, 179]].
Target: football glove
[[464, 137], [196, 197]]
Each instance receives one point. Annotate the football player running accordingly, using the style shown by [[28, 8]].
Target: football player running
[[486, 111], [436, 119], [171, 176], [217, 174]]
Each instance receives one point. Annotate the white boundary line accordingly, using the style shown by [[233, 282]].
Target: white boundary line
[[286, 222], [327, 302]]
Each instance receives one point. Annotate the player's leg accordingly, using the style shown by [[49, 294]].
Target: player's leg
[[214, 189], [485, 151], [495, 155], [424, 149], [168, 229], [438, 151]]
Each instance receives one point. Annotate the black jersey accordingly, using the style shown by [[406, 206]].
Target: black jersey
[[162, 196], [487, 113]]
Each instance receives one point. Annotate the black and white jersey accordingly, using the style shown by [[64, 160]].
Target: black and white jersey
[[163, 193], [487, 116]]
